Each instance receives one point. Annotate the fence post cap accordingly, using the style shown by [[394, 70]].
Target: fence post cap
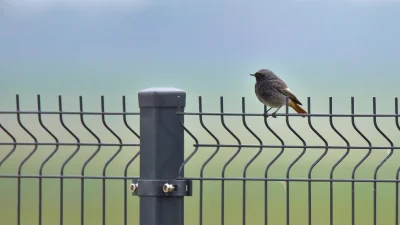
[[162, 97]]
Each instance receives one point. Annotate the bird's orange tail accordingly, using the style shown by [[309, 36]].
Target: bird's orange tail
[[297, 108]]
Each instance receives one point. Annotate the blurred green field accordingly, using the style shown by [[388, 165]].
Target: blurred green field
[[255, 190]]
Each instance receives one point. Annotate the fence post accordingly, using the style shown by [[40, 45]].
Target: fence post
[[161, 154]]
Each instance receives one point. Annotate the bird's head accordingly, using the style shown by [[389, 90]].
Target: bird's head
[[262, 74]]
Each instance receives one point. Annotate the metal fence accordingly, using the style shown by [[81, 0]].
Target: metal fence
[[163, 194]]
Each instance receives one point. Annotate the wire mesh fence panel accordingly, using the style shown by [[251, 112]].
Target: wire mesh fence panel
[[68, 167], [198, 167], [257, 176]]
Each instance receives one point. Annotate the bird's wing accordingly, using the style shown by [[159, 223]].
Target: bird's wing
[[281, 87], [286, 91]]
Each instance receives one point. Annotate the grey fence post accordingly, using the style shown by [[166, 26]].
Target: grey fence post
[[161, 155]]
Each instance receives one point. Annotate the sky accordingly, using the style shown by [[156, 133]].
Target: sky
[[199, 30], [121, 47]]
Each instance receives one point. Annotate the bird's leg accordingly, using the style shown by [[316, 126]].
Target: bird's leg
[[265, 113], [274, 113]]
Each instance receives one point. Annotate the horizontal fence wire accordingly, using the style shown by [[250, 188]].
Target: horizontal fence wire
[[214, 147], [60, 159]]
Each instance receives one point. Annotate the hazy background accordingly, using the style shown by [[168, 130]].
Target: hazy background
[[91, 48]]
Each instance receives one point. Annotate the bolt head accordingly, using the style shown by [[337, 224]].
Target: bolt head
[[167, 188], [133, 187]]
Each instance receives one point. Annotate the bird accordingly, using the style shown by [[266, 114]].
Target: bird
[[273, 91]]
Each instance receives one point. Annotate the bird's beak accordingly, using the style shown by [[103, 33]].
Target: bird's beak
[[251, 75]]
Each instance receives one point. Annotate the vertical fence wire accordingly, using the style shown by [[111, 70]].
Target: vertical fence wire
[[336, 164]]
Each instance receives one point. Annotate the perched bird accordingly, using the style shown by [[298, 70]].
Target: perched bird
[[272, 92]]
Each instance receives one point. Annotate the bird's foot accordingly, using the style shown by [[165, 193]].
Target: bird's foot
[[265, 115], [274, 114]]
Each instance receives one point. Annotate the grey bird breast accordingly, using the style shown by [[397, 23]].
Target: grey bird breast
[[268, 91]]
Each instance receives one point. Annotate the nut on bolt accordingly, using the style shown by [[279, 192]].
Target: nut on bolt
[[133, 187], [167, 188]]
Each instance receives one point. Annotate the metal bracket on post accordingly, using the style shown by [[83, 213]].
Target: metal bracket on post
[[173, 188]]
